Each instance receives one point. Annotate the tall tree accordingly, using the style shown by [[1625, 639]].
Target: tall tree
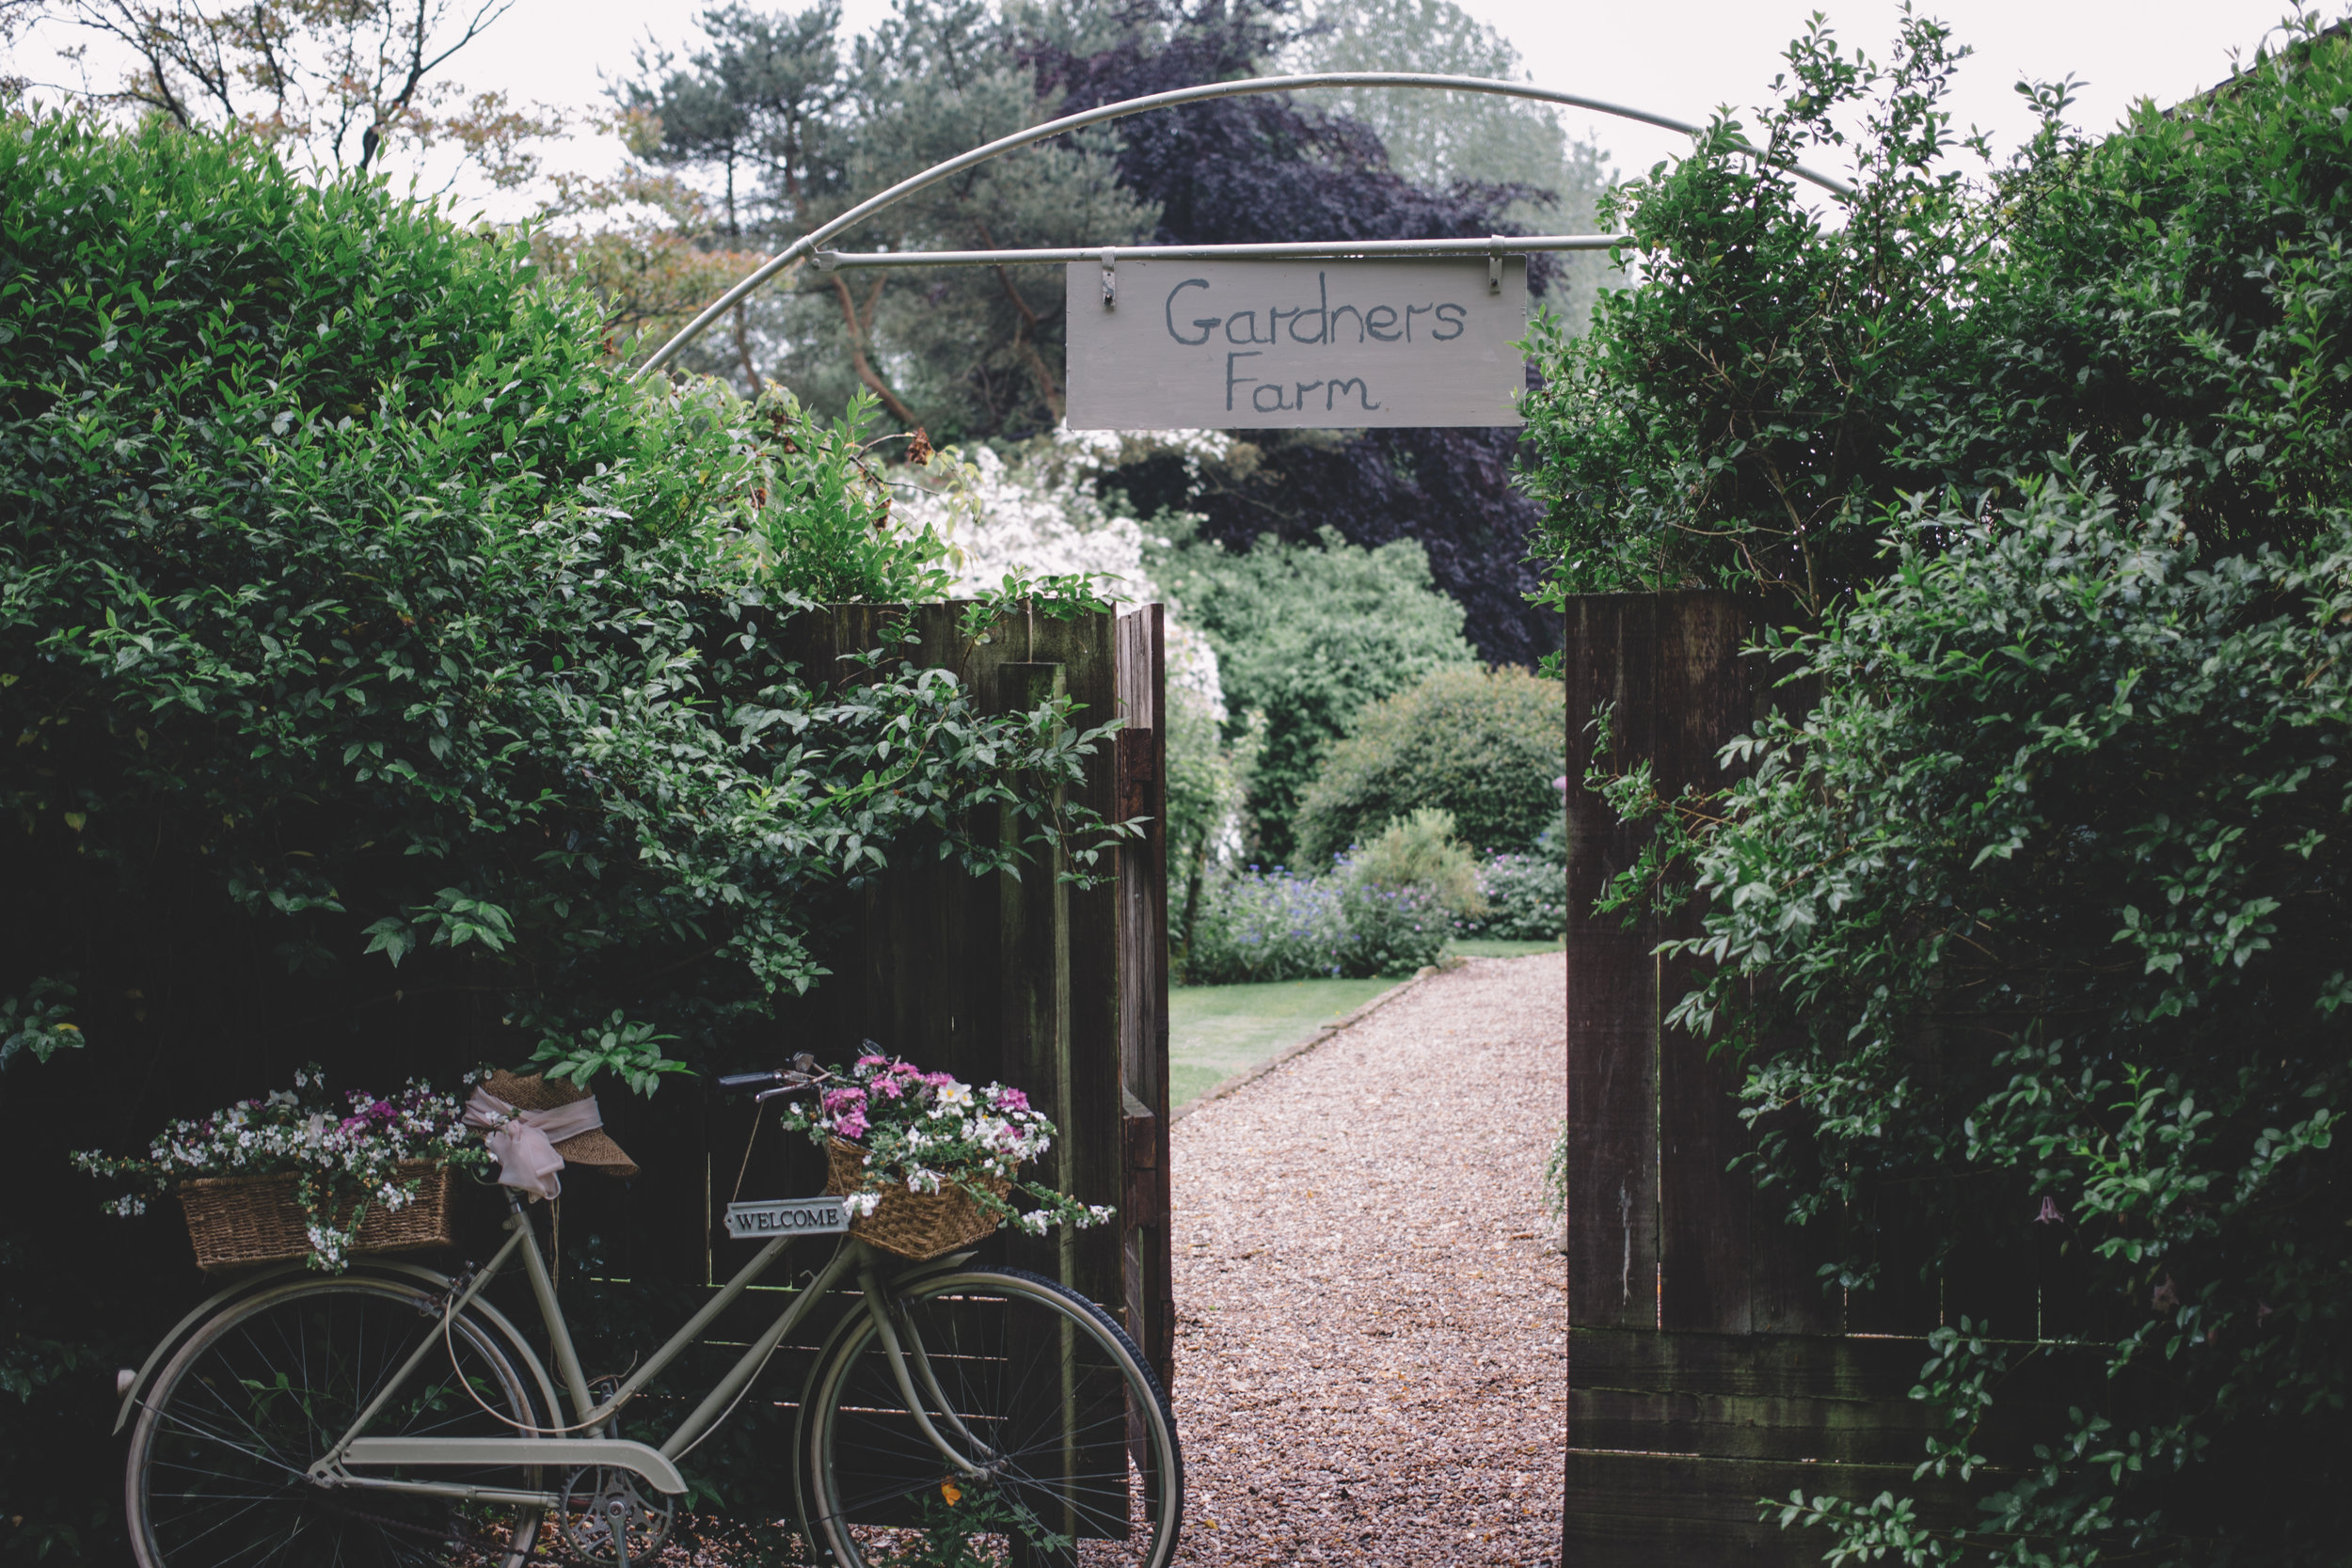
[[788, 138], [339, 85], [1445, 139]]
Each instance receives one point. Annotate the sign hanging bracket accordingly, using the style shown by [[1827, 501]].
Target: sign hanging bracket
[[1110, 277], [1494, 263]]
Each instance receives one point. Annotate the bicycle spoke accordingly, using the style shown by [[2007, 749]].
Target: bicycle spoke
[[284, 1373], [1018, 1377]]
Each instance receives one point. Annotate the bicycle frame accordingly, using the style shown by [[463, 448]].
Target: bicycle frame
[[585, 1441]]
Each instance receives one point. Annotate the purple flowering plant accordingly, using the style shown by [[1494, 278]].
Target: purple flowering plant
[[925, 1130], [346, 1155]]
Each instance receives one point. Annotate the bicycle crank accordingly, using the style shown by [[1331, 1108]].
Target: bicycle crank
[[609, 1523]]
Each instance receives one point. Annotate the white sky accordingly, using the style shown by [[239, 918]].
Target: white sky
[[1681, 61]]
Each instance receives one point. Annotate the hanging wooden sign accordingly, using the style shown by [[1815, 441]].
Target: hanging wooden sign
[[1226, 346]]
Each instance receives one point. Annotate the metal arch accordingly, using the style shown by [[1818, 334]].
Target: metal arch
[[805, 246]]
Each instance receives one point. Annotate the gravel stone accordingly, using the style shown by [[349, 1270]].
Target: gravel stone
[[1371, 1322]]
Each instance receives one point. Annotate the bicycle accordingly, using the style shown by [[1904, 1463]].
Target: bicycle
[[391, 1415]]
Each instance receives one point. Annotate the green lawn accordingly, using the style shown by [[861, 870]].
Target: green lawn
[[1481, 948], [1216, 1031]]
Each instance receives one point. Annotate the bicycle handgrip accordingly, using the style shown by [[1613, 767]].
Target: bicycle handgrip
[[748, 1080]]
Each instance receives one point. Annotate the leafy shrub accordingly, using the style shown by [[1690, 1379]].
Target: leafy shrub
[[1421, 852], [1526, 896], [1484, 745], [2072, 814], [2039, 912], [1289, 926], [1393, 931], [1307, 635], [342, 568], [1275, 925]]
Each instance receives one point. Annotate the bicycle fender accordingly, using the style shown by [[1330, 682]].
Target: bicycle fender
[[210, 1305], [260, 1277]]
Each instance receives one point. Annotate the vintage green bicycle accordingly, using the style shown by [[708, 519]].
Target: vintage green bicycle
[[391, 1415]]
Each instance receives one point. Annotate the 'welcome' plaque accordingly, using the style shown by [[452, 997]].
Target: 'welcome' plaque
[[1292, 344]]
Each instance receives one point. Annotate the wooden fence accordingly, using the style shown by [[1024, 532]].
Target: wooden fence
[[1707, 1366]]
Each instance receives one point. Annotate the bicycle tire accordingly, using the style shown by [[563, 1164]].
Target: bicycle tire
[[252, 1397], [1084, 1449]]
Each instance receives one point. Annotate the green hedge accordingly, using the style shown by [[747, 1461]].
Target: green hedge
[[1484, 745], [1307, 634]]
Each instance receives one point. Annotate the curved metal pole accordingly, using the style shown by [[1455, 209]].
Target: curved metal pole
[[805, 246]]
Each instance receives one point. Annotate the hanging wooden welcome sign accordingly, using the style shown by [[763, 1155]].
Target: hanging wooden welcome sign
[[1282, 344]]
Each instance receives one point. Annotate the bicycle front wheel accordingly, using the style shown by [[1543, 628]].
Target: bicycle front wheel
[[219, 1459], [1037, 1387]]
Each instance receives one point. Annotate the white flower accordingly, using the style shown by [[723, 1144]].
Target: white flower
[[953, 1096], [861, 1204]]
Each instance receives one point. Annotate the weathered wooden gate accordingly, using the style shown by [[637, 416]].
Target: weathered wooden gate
[[1707, 1366], [1061, 991]]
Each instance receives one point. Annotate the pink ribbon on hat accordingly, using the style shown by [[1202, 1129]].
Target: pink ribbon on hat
[[523, 1142]]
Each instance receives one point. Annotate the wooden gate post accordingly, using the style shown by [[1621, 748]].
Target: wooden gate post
[[1707, 1369]]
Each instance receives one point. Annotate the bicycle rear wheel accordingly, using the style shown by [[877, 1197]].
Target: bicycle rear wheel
[[232, 1423], [1035, 1385]]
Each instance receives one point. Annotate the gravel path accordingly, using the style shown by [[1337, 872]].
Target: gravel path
[[1370, 1330]]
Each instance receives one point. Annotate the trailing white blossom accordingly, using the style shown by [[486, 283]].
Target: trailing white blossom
[[1037, 513], [347, 1160]]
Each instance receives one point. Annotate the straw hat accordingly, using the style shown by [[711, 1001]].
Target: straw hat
[[593, 1148]]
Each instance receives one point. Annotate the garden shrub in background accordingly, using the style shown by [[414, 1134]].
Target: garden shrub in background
[[1392, 929], [1420, 852], [1526, 894], [1484, 745], [1388, 911], [1306, 635], [1268, 926]]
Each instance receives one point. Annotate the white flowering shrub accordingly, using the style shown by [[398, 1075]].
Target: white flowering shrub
[[1036, 514]]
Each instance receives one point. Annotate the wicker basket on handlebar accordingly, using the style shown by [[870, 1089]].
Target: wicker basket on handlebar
[[915, 1226], [237, 1221]]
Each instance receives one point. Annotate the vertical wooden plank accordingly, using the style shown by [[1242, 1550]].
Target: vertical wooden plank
[[1033, 955], [1096, 1094], [1147, 1290], [1612, 1150], [1704, 1235]]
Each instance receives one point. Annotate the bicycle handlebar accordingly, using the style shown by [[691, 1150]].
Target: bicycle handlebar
[[802, 1075]]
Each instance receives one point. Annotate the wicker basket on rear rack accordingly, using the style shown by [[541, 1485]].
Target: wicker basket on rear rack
[[238, 1221], [916, 1226]]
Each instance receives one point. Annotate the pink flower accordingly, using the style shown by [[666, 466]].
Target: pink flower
[[873, 1061], [842, 1100], [904, 1069], [938, 1080], [2049, 1215], [851, 1126], [1012, 1100], [889, 1089]]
